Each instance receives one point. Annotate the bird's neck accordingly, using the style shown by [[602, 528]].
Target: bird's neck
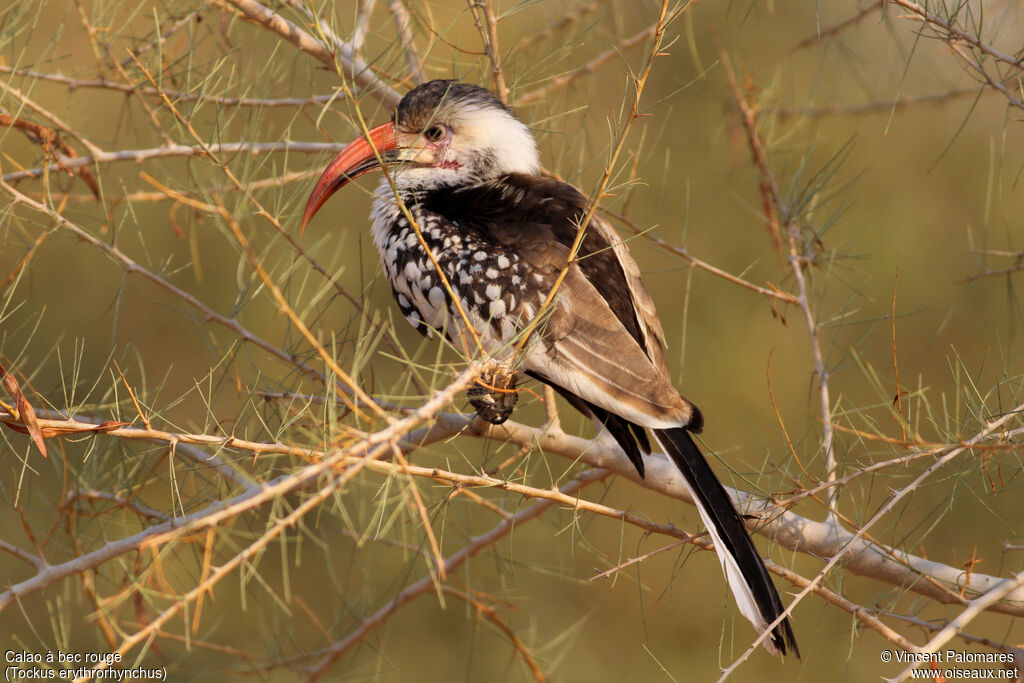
[[419, 179], [389, 212]]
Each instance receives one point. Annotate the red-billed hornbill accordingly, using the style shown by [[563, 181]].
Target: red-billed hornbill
[[465, 168]]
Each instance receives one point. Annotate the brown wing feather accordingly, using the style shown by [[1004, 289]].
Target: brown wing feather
[[602, 341], [643, 305], [588, 351], [534, 214]]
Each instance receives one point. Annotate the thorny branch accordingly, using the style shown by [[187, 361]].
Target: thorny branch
[[973, 609], [847, 545], [788, 529], [344, 462], [638, 82], [340, 53], [139, 156], [176, 95], [471, 548], [488, 29], [778, 218]]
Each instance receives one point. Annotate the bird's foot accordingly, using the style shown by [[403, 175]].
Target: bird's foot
[[493, 396]]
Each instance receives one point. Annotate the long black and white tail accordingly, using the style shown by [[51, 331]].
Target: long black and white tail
[[744, 570]]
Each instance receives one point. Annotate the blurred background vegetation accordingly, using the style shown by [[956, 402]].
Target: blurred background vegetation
[[901, 164]]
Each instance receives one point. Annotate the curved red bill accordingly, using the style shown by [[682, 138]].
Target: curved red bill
[[359, 156]]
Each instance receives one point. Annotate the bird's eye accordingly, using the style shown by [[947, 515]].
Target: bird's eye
[[434, 133]]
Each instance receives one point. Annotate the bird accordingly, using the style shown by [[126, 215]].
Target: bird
[[471, 235]]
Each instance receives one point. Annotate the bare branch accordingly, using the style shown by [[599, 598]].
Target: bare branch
[[978, 68], [369, 449], [131, 266], [560, 27], [881, 107], [931, 579], [452, 562], [950, 29], [78, 84], [847, 547], [139, 156], [835, 29], [343, 55], [54, 120], [541, 93], [974, 608], [488, 29], [364, 14], [181, 23], [703, 265], [34, 560], [775, 212], [403, 25]]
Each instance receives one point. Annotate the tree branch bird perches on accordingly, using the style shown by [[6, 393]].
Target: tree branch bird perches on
[[500, 238]]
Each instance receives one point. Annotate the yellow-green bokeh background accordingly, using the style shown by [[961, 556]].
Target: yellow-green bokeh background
[[921, 192]]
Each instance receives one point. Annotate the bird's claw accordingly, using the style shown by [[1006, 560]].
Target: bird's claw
[[494, 396]]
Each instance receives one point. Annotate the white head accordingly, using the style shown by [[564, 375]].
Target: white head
[[443, 134], [452, 134]]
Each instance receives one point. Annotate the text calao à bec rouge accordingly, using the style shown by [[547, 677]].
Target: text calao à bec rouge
[[26, 657]]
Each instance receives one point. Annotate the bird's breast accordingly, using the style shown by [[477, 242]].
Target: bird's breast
[[496, 290]]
